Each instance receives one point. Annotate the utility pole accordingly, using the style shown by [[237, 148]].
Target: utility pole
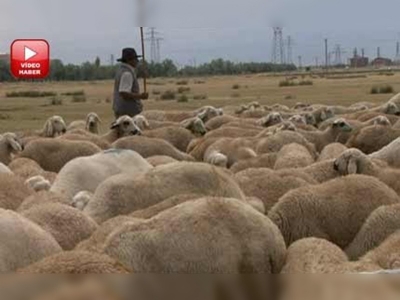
[[158, 55], [278, 46], [289, 50], [316, 62], [154, 44], [326, 54], [112, 59], [299, 58], [378, 52]]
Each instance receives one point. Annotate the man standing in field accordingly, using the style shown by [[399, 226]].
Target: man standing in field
[[127, 96]]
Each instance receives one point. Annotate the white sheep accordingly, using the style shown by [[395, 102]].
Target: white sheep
[[53, 127], [38, 183], [123, 126], [293, 156], [86, 173], [91, 124], [9, 144], [389, 154], [81, 199], [142, 122]]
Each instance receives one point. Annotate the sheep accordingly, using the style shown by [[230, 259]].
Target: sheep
[[321, 171], [293, 156], [53, 127], [67, 225], [271, 119], [229, 223], [118, 194], [53, 154], [5, 169], [147, 147], [319, 256], [199, 146], [285, 125], [82, 135], [205, 113], [353, 161], [321, 139], [334, 210], [13, 191], [373, 138], [274, 143], [141, 122], [158, 160], [230, 151], [75, 262], [321, 114], [9, 144], [382, 222], [26, 168], [386, 255], [331, 151], [195, 125], [87, 173], [232, 132], [40, 198], [122, 127], [262, 161], [178, 137], [22, 242], [389, 154], [267, 185], [38, 183], [91, 124], [218, 121], [81, 199]]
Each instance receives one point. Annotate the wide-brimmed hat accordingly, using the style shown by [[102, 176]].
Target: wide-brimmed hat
[[128, 54]]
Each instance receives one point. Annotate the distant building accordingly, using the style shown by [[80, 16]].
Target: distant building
[[359, 61], [381, 62], [4, 57]]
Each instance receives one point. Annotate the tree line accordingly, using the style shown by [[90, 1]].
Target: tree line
[[167, 68]]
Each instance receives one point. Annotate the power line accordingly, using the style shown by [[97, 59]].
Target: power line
[[326, 54], [154, 38], [289, 50], [278, 46]]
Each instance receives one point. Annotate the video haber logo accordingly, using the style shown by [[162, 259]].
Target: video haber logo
[[30, 59]]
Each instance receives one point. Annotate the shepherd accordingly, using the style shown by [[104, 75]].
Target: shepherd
[[127, 96]]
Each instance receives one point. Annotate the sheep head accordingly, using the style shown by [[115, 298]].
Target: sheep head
[[92, 122], [310, 119], [141, 121], [12, 141], [350, 162], [81, 199], [38, 183], [391, 109], [217, 159], [327, 113], [54, 126], [195, 125], [381, 120], [271, 119], [298, 119], [125, 126], [341, 125], [208, 112]]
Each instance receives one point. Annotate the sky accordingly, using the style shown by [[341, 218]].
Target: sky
[[198, 31]]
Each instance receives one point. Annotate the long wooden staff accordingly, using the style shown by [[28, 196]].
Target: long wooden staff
[[144, 60]]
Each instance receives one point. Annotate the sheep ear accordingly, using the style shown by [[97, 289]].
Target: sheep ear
[[323, 116], [202, 114], [48, 128], [15, 145], [186, 123], [98, 119], [352, 166], [114, 125]]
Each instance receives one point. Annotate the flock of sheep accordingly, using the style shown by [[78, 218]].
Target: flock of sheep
[[259, 190]]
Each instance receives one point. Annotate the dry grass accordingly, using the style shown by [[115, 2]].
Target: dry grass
[[24, 113]]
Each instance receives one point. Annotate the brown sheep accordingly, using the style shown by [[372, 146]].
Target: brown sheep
[[293, 156], [232, 132], [158, 160], [324, 210], [75, 262], [373, 138], [208, 227], [9, 145], [319, 256], [81, 135], [148, 147], [383, 222], [118, 194], [53, 154], [218, 121], [66, 224], [177, 136], [320, 171], [22, 242], [262, 161], [267, 185], [13, 191], [331, 151], [122, 127], [387, 254], [40, 198]]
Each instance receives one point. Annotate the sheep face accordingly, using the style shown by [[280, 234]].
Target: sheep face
[[271, 119], [300, 105], [195, 125], [208, 112], [55, 126], [310, 119], [342, 125], [327, 113], [12, 141], [349, 162], [382, 120], [92, 122], [392, 109], [141, 122], [298, 119], [125, 127]]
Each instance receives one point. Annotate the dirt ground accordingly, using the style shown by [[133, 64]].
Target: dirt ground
[[27, 113]]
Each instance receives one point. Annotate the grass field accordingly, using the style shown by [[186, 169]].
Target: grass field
[[23, 113]]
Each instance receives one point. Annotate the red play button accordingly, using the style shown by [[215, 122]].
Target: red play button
[[30, 59]]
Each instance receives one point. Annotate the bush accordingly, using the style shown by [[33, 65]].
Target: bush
[[30, 94], [155, 83], [289, 97], [183, 98], [306, 82], [75, 93], [200, 97], [287, 83], [108, 100], [385, 89], [168, 95], [235, 95], [155, 92], [182, 82], [183, 89], [199, 82], [56, 101], [236, 87], [78, 99]]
